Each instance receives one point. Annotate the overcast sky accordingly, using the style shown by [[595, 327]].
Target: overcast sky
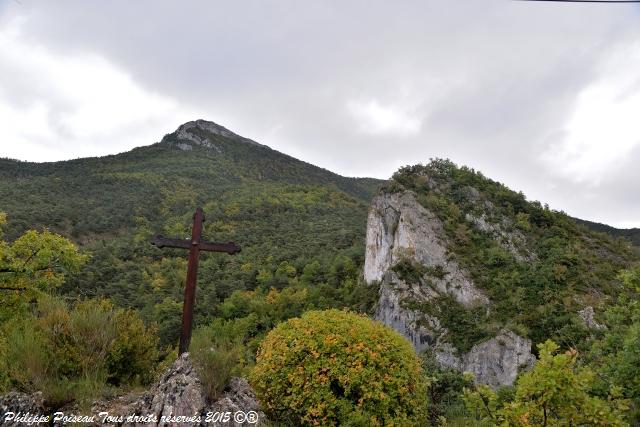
[[544, 97]]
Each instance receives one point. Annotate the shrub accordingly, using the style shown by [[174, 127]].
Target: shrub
[[73, 353], [555, 392], [219, 353], [339, 368]]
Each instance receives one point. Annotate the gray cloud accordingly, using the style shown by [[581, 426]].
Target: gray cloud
[[358, 87]]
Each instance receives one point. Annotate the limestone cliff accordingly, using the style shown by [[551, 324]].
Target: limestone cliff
[[400, 231]]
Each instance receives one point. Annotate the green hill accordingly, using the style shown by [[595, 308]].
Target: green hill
[[289, 217], [631, 234], [537, 267], [541, 274]]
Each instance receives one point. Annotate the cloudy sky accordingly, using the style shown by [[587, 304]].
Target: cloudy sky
[[544, 97]]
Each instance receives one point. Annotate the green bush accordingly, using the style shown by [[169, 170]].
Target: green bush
[[219, 352], [75, 353], [339, 368], [556, 392]]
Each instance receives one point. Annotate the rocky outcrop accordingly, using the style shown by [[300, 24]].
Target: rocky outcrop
[[239, 397], [195, 132], [179, 399], [588, 317], [18, 409], [176, 399], [400, 229], [505, 234], [498, 361], [177, 393], [420, 329]]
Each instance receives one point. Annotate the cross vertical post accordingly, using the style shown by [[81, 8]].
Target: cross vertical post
[[190, 285]]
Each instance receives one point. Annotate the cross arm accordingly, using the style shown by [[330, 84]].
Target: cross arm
[[162, 242]]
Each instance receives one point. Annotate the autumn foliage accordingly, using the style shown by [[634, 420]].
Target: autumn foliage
[[339, 368]]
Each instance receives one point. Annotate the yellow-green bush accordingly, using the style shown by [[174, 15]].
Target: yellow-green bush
[[339, 368], [73, 353]]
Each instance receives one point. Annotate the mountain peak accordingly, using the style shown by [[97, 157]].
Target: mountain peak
[[203, 133]]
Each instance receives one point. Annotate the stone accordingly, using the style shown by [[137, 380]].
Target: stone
[[178, 393], [497, 362], [179, 397], [185, 133], [421, 330], [16, 408], [239, 397], [587, 315], [400, 228], [505, 235]]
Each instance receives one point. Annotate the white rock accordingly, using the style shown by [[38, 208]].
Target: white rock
[[398, 228]]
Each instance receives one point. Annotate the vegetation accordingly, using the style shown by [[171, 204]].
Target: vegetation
[[554, 393], [218, 352], [296, 223], [88, 305], [301, 229], [67, 352], [338, 368], [537, 266]]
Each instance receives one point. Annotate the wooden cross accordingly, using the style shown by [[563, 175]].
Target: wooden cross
[[195, 245]]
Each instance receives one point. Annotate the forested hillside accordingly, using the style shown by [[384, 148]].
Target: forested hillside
[[89, 307], [631, 234], [573, 292], [294, 221]]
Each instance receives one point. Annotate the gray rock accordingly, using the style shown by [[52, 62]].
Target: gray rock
[[495, 362], [587, 315], [185, 133], [400, 228], [179, 393], [505, 235], [178, 396], [421, 330], [498, 361], [17, 408], [239, 397]]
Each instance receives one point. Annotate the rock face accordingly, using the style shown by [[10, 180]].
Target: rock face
[[195, 132], [420, 329], [239, 397], [512, 240], [588, 317], [399, 229], [497, 361], [179, 393]]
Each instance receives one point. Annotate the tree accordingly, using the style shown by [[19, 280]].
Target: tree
[[35, 262], [554, 393], [617, 354]]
